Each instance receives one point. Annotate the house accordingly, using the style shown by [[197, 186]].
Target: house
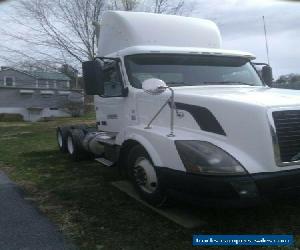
[[37, 94]]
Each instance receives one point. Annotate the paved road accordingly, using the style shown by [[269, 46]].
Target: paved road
[[22, 226]]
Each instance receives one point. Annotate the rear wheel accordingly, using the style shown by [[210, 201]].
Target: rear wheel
[[61, 135], [74, 145], [142, 174]]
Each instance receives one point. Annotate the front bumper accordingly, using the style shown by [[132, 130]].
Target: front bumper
[[230, 190]]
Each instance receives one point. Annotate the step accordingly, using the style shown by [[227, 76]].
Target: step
[[105, 162]]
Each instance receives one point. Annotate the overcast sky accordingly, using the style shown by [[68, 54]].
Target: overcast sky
[[241, 25], [240, 22]]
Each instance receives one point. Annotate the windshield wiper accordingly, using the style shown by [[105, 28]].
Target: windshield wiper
[[230, 83]]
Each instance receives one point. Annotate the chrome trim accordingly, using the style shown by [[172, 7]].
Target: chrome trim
[[276, 147]]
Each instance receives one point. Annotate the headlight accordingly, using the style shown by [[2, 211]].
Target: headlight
[[204, 157]]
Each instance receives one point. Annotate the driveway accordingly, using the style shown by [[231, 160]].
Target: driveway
[[22, 226]]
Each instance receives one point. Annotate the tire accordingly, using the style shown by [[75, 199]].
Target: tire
[[61, 136], [74, 145], [142, 174]]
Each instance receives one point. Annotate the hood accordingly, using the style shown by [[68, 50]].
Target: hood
[[259, 96], [242, 115], [235, 118]]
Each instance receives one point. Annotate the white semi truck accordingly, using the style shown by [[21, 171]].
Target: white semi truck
[[182, 117]]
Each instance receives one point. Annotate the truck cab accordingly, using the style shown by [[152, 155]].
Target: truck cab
[[182, 117]]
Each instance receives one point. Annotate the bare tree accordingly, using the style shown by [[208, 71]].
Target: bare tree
[[65, 25], [165, 6], [59, 30], [127, 5], [62, 31], [36, 65]]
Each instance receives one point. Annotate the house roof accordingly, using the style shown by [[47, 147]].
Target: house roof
[[21, 71], [43, 75]]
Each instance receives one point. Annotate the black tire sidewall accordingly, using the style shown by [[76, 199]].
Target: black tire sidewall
[[79, 153], [157, 198]]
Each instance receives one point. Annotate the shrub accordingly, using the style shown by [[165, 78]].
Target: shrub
[[5, 117]]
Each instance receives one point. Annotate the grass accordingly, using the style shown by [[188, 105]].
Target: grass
[[79, 198]]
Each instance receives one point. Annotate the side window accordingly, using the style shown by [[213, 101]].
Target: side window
[[112, 81], [8, 81]]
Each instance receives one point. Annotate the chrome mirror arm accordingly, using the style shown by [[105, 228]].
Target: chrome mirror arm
[[172, 113], [172, 105]]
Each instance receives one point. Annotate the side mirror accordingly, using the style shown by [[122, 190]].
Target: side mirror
[[154, 86], [267, 75], [93, 77]]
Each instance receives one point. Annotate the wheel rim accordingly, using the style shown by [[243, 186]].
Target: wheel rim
[[59, 139], [70, 145], [145, 175]]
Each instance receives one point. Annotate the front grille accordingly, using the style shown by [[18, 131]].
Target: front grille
[[287, 125]]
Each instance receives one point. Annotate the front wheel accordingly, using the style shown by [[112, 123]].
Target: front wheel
[[144, 178]]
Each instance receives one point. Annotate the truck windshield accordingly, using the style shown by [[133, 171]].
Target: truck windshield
[[191, 70]]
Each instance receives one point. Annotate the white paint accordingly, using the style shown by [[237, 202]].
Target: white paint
[[154, 86], [9, 77], [180, 50], [47, 92], [114, 111], [120, 29], [64, 92], [242, 111], [26, 91]]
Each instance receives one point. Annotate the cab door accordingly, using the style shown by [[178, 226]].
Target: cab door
[[111, 107]]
